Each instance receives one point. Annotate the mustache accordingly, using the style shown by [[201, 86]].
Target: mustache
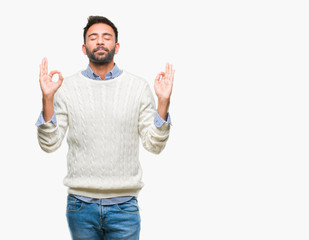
[[101, 48]]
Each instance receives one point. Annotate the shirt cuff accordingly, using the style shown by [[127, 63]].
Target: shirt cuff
[[158, 121], [41, 120]]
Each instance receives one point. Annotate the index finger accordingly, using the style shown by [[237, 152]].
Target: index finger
[[167, 68], [169, 71]]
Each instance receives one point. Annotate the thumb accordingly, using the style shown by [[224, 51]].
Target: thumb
[[60, 80]]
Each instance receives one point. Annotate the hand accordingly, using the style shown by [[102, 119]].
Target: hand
[[49, 87], [164, 83]]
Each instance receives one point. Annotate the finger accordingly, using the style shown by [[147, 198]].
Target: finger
[[60, 77], [60, 80], [46, 66], [52, 73], [172, 76], [170, 69], [172, 72], [158, 78], [43, 66], [163, 75]]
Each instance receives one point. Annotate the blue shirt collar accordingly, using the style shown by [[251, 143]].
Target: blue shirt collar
[[115, 72]]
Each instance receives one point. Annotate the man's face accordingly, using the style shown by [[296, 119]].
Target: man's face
[[100, 44]]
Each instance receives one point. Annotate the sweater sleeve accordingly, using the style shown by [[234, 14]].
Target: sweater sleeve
[[50, 136], [153, 138]]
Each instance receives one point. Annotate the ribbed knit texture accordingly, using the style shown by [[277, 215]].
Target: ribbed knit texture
[[105, 120]]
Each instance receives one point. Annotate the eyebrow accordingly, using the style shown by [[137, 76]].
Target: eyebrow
[[96, 34]]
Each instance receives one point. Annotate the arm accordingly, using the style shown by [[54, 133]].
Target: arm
[[154, 138], [50, 135]]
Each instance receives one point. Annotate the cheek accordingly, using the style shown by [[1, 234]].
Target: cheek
[[90, 45]]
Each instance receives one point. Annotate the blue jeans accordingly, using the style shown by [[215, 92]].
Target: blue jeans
[[91, 221]]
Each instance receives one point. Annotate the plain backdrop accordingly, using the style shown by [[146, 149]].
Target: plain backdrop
[[236, 164]]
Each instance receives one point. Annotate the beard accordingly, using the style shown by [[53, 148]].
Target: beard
[[100, 58]]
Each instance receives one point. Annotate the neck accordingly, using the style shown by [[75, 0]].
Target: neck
[[101, 70]]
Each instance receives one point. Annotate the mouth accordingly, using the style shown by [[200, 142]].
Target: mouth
[[100, 50]]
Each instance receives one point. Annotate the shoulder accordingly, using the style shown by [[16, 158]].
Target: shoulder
[[138, 85], [66, 85], [135, 79], [68, 80], [71, 82]]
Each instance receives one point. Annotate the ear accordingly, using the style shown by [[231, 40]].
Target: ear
[[84, 49], [117, 46]]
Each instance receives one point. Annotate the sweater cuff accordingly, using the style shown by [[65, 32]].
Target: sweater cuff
[[48, 129], [162, 131]]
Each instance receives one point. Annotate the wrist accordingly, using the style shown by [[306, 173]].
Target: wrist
[[48, 107], [163, 106], [48, 98], [164, 101]]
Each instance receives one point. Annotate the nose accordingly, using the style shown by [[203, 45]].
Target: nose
[[100, 41]]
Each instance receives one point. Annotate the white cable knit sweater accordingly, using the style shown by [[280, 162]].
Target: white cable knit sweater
[[104, 120]]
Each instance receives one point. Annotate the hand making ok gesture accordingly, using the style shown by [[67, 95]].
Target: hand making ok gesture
[[48, 87], [164, 83], [163, 87]]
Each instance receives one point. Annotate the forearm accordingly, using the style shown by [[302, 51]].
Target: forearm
[[52, 132], [163, 105], [153, 138], [48, 107]]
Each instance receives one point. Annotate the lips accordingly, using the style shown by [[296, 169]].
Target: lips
[[101, 50]]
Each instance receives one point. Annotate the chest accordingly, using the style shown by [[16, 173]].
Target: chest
[[109, 104]]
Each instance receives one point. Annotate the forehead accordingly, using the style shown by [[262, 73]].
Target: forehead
[[100, 28]]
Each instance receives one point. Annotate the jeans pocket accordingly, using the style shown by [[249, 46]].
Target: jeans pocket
[[130, 206], [73, 204]]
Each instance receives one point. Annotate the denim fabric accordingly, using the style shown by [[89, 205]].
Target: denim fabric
[[91, 221]]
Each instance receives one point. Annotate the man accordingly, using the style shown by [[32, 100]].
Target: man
[[106, 110]]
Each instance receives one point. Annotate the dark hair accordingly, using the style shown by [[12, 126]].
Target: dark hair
[[99, 19]]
